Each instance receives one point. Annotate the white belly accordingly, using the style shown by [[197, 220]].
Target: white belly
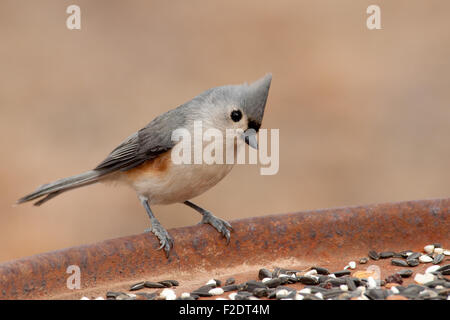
[[180, 182]]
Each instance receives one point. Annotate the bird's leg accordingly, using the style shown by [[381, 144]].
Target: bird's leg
[[163, 236], [220, 225]]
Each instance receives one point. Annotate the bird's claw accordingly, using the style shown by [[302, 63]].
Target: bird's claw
[[163, 236], [220, 225]]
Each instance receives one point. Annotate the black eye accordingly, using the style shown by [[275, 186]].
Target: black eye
[[236, 115]]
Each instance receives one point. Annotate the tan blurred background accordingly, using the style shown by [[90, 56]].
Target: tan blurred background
[[364, 116]]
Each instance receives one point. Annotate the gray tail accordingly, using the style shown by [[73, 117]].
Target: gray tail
[[53, 189]]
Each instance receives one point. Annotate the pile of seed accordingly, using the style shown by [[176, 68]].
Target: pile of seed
[[321, 284]]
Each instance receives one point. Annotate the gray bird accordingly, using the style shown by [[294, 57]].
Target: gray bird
[[144, 160]]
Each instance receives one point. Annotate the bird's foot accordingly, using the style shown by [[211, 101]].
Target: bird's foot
[[163, 236], [220, 225]]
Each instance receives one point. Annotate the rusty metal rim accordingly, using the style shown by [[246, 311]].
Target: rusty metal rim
[[316, 235]]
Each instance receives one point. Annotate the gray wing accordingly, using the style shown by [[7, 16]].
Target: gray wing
[[146, 144]]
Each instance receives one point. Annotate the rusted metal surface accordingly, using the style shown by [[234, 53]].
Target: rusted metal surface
[[321, 237]]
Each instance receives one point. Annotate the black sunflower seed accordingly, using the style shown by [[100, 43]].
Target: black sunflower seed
[[399, 262], [332, 293], [308, 280], [443, 268], [166, 283], [350, 284], [112, 294], [405, 273], [321, 271], [342, 273], [376, 294], [203, 291], [260, 292], [252, 285], [148, 296], [137, 286], [276, 272], [412, 262], [405, 253], [414, 255], [174, 283], [386, 254], [273, 283], [435, 283], [150, 284], [230, 287], [438, 259], [336, 282], [374, 255], [230, 281], [264, 273]]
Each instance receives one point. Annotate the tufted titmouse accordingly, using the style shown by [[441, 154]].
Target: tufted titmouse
[[144, 159]]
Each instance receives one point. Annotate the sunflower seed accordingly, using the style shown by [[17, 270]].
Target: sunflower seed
[[374, 255], [203, 291], [438, 250], [386, 254], [432, 269], [305, 291], [425, 258], [322, 271], [260, 292], [149, 284], [438, 258], [405, 254], [230, 281], [147, 296], [423, 278], [435, 283], [429, 248], [398, 262], [311, 272], [308, 280], [168, 294], [283, 293], [412, 262], [166, 283], [273, 283], [414, 255], [276, 272], [252, 284], [211, 282], [376, 294], [112, 294], [230, 287], [443, 268], [342, 273], [137, 286], [216, 291], [174, 283], [350, 284], [405, 273]]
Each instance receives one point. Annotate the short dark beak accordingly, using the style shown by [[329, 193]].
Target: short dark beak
[[249, 137]]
